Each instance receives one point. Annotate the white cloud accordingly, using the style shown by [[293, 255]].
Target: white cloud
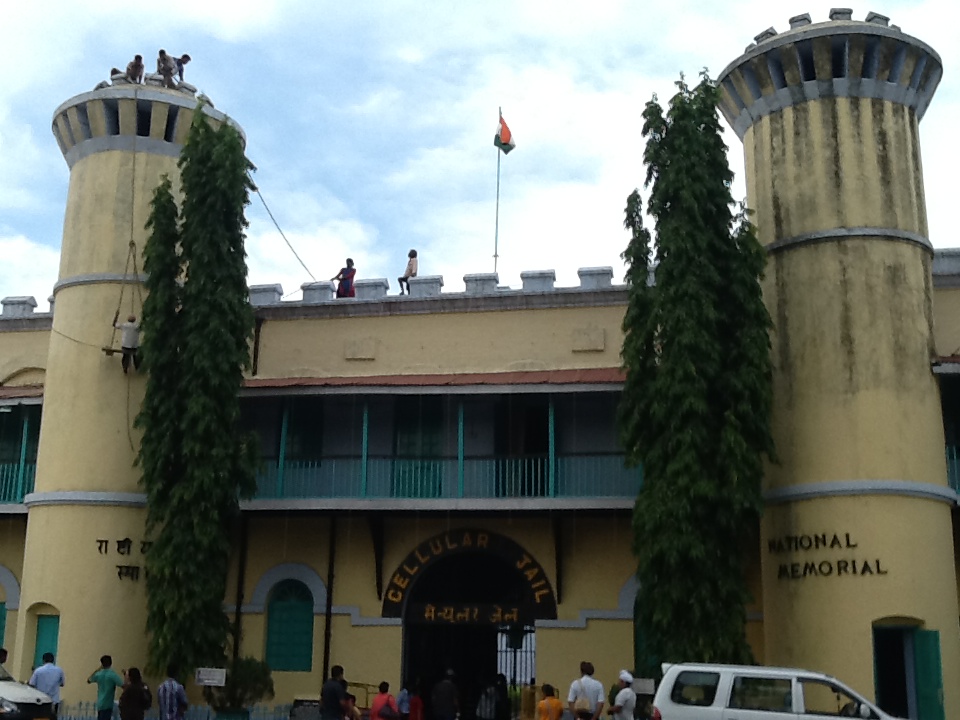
[[28, 268]]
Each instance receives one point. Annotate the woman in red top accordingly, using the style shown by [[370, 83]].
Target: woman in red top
[[345, 277], [416, 704], [384, 707]]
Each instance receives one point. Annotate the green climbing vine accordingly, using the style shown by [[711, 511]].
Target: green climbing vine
[[196, 464]]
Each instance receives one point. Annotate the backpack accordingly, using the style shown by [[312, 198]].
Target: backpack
[[582, 705]]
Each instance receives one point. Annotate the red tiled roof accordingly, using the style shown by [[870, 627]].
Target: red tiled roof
[[529, 377], [20, 391]]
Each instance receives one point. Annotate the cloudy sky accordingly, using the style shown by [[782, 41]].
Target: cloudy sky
[[371, 123]]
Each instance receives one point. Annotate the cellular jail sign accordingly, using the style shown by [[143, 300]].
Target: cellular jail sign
[[836, 555], [539, 600]]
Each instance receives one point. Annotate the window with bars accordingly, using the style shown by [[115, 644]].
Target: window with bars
[[290, 627]]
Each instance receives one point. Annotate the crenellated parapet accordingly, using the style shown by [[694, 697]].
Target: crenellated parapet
[[838, 58], [128, 117]]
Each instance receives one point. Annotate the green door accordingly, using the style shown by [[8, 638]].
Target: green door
[[48, 632], [928, 675], [3, 620]]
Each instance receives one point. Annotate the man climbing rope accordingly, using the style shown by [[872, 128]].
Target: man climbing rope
[[129, 341]]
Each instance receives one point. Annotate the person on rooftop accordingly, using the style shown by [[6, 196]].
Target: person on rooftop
[[345, 278]]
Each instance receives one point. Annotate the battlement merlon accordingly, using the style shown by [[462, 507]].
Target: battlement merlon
[[128, 117], [837, 58]]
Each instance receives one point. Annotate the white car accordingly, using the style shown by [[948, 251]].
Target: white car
[[22, 702], [751, 692]]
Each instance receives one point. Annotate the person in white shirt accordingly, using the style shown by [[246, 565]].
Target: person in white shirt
[[409, 272], [585, 698], [129, 342], [626, 699], [48, 679]]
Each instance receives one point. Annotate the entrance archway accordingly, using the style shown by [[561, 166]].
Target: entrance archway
[[466, 598]]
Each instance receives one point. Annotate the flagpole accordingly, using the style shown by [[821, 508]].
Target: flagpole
[[496, 226]]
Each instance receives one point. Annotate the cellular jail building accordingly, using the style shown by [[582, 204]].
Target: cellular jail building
[[461, 501]]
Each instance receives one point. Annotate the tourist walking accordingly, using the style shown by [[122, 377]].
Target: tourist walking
[[626, 700], [585, 698], [403, 700], [107, 682], [504, 709], [550, 708], [135, 699], [444, 699], [48, 679], [333, 695], [487, 704], [171, 697], [384, 706]]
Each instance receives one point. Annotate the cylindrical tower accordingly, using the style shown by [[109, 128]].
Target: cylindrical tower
[[83, 577], [857, 543]]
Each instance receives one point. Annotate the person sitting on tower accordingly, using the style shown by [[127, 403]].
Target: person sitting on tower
[[167, 67], [134, 71], [129, 341], [181, 61]]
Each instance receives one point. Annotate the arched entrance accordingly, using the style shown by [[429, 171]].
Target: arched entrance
[[466, 598]]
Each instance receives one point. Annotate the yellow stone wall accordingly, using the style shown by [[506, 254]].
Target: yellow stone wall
[[493, 341], [825, 620], [946, 320], [23, 357], [855, 400], [87, 440], [851, 349], [816, 165], [13, 530]]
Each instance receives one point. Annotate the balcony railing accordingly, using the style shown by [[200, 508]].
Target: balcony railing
[[16, 480], [568, 476]]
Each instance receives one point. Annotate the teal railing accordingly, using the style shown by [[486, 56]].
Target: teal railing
[[16, 480], [584, 476], [953, 467]]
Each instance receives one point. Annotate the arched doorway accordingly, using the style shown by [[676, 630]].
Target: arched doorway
[[469, 600]]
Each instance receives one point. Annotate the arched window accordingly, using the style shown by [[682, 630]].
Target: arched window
[[290, 627]]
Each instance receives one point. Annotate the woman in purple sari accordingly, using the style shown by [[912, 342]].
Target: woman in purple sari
[[345, 277]]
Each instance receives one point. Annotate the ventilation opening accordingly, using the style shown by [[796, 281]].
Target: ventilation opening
[[775, 65], [918, 72], [931, 79], [171, 126], [728, 85], [144, 108], [896, 68], [59, 138], [839, 56], [807, 69], [752, 82], [66, 126], [871, 59], [111, 116], [84, 121]]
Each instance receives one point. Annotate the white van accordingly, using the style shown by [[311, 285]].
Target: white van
[[22, 702], [751, 692]]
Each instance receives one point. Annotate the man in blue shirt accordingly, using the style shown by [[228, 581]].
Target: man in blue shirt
[[171, 697], [48, 679]]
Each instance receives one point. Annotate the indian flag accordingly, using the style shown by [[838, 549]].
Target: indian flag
[[504, 138]]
